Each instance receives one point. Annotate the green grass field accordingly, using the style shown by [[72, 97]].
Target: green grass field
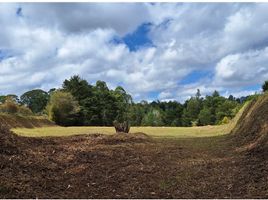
[[177, 132], [180, 132]]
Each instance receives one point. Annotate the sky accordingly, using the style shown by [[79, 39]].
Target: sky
[[162, 51]]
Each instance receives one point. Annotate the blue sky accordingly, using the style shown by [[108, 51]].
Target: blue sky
[[138, 38], [162, 51]]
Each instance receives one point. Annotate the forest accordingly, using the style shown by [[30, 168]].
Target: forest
[[78, 103]]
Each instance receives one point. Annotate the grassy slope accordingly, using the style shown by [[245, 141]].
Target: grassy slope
[[251, 131], [19, 121], [179, 132]]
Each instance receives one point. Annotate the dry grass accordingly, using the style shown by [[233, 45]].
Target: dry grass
[[167, 132], [19, 121], [178, 132]]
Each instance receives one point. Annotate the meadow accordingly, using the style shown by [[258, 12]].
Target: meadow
[[167, 132], [164, 132]]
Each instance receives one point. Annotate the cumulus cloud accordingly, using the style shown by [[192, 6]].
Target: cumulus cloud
[[48, 42], [243, 69], [246, 29], [75, 17]]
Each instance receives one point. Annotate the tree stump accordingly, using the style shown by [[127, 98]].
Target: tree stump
[[121, 127]]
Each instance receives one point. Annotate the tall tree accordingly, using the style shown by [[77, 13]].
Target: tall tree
[[172, 112], [153, 118], [215, 94], [106, 103], [99, 108], [78, 87], [136, 113], [198, 94], [205, 116], [191, 111], [36, 100]]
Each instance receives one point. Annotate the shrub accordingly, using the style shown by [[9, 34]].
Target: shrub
[[9, 107], [225, 120], [62, 108], [24, 110], [12, 107]]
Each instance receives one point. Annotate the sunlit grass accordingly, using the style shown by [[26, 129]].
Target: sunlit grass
[[178, 132], [181, 132]]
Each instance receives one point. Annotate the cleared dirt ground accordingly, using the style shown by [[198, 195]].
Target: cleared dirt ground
[[101, 166]]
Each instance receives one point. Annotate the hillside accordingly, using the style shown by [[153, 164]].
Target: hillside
[[17, 121], [251, 130]]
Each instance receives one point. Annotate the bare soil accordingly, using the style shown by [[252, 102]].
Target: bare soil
[[134, 166]]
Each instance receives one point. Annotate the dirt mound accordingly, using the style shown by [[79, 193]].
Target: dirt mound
[[251, 130], [114, 139], [122, 138], [8, 141], [16, 121]]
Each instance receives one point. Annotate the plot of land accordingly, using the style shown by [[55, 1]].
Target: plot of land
[[133, 166], [163, 132]]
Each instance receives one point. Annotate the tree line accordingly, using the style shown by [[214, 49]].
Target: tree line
[[78, 103]]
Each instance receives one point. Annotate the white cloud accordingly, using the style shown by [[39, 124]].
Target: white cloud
[[51, 42], [74, 17], [243, 69], [246, 28]]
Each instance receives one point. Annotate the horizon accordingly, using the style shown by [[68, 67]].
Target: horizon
[[155, 51], [152, 100]]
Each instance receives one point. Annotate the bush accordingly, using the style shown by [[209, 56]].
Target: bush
[[9, 107], [225, 120], [24, 110], [62, 108]]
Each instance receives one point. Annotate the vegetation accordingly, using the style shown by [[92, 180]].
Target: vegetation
[[158, 132], [62, 108], [169, 162], [121, 127], [10, 106], [265, 86], [20, 121], [79, 103], [36, 100]]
